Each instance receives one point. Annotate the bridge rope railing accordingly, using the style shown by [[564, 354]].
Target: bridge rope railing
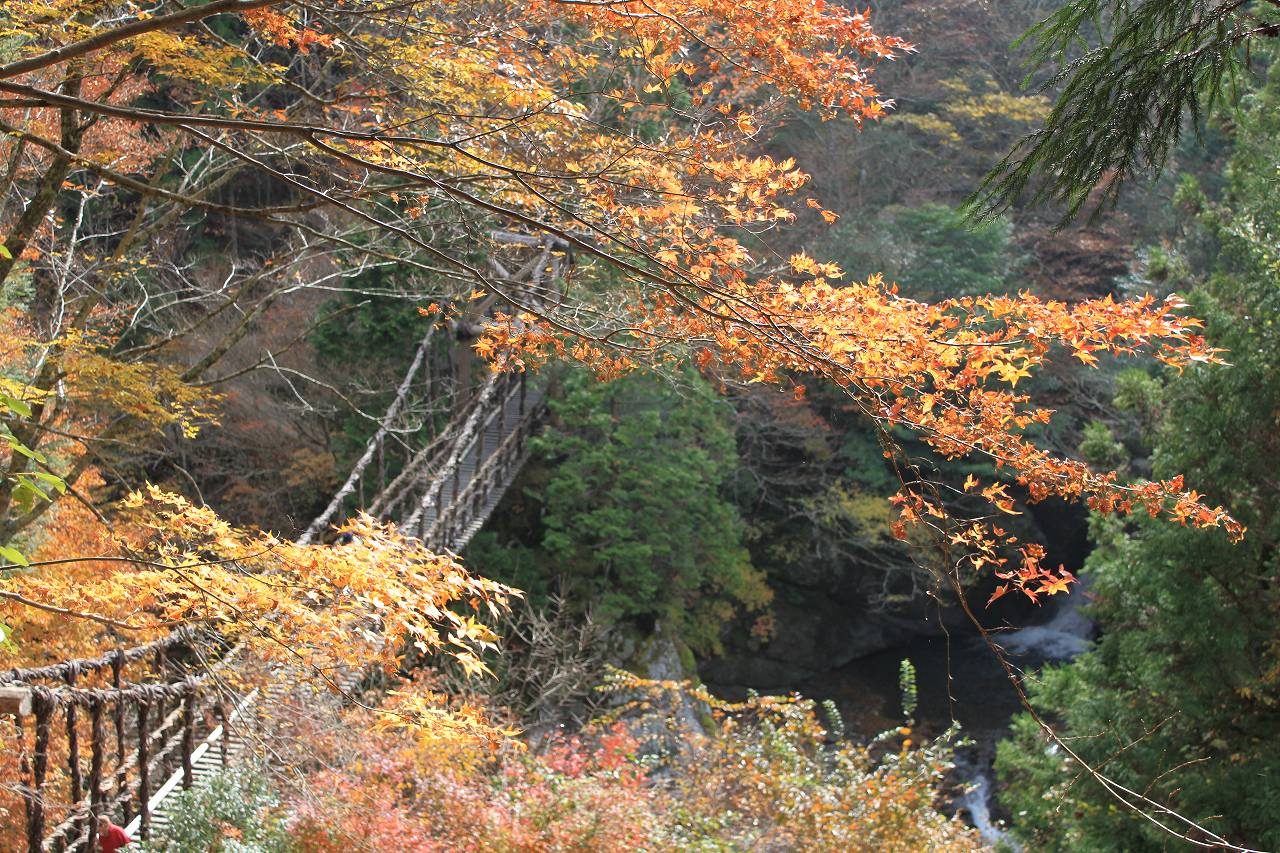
[[495, 469], [428, 462], [114, 659], [134, 729], [482, 460], [442, 495], [375, 444], [183, 777], [137, 730]]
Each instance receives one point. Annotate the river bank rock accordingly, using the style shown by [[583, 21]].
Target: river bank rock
[[664, 722]]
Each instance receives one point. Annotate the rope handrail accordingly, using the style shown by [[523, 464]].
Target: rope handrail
[[459, 479], [125, 789], [210, 741], [489, 475], [88, 697], [503, 389], [452, 454], [60, 671], [164, 714], [430, 459]]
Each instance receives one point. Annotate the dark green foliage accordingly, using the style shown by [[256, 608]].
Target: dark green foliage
[[1181, 696], [383, 328], [1123, 103], [633, 515], [863, 456], [1141, 396], [931, 251], [370, 339], [1100, 448]]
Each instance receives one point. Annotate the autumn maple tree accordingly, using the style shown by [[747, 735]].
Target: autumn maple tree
[[617, 139]]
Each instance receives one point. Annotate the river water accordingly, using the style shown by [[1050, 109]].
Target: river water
[[957, 678]]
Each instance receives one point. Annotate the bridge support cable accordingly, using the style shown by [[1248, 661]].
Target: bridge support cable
[[461, 498], [374, 443], [460, 445]]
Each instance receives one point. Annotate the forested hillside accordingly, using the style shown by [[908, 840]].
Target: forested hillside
[[653, 424]]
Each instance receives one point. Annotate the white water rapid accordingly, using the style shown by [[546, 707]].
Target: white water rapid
[[1063, 636]]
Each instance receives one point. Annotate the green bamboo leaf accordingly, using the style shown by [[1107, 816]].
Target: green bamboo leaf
[[18, 407], [52, 479]]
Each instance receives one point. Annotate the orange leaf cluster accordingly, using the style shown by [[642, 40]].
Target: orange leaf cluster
[[816, 52], [947, 371], [285, 33]]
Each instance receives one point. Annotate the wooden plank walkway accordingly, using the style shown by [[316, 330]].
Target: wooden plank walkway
[[449, 505]]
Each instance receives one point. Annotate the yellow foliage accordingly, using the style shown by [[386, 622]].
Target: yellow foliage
[[929, 124], [1021, 109], [173, 563], [871, 513], [94, 385], [179, 56]]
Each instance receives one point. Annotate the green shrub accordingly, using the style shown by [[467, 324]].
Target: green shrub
[[234, 811]]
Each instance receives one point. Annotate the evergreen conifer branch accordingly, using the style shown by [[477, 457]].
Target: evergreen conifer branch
[[1124, 103]]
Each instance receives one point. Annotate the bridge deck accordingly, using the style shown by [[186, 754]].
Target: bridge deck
[[149, 738]]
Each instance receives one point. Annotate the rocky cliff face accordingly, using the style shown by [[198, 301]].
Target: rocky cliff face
[[814, 631]]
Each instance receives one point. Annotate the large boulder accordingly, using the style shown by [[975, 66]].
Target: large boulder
[[813, 632], [664, 721]]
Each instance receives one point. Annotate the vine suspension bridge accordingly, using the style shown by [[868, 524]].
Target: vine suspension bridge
[[164, 716]]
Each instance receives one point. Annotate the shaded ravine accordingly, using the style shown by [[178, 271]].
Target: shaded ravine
[[958, 678]]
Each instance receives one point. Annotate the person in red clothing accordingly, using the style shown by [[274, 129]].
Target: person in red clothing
[[111, 837]]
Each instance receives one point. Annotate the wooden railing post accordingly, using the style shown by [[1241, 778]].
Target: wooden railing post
[[44, 705], [221, 713], [24, 767], [117, 673], [188, 734], [144, 770], [73, 741], [95, 771]]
